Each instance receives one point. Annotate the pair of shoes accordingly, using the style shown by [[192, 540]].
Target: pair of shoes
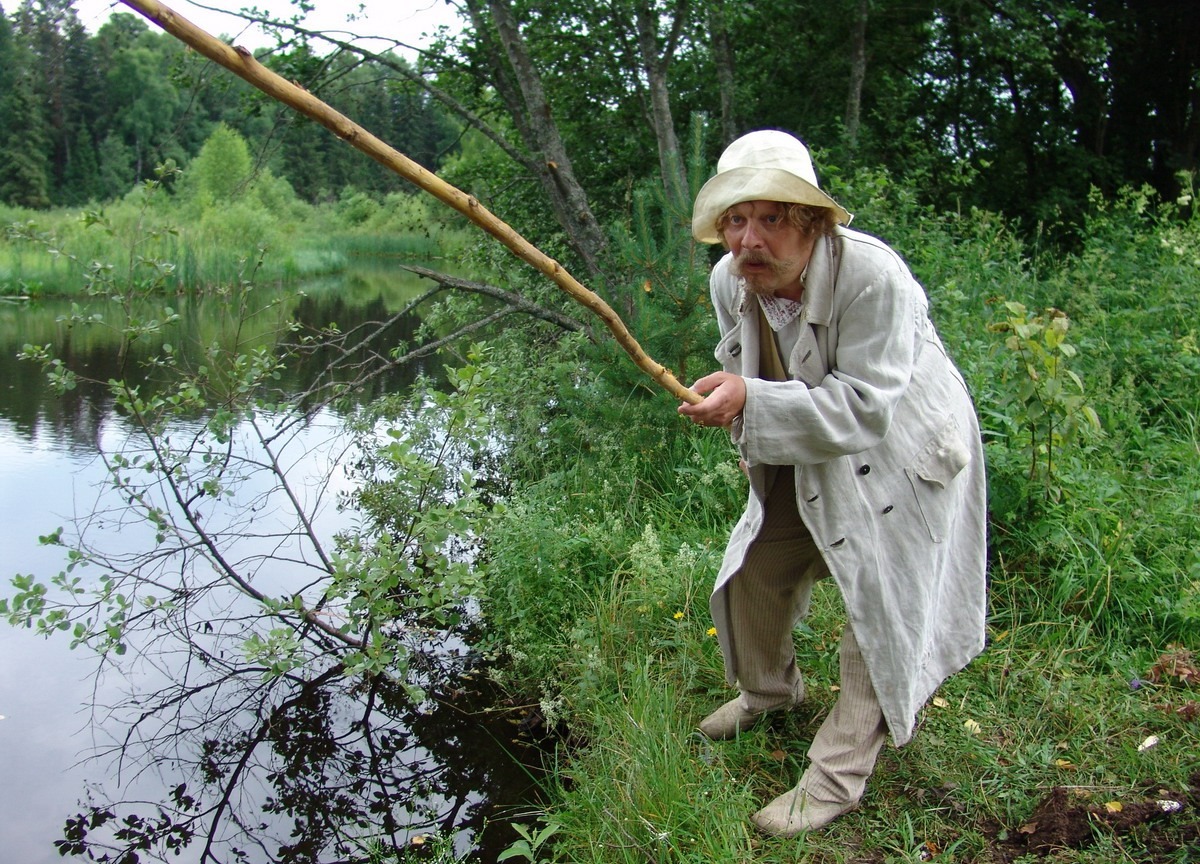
[[731, 719], [795, 811]]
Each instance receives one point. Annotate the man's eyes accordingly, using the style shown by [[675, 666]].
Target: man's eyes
[[742, 220], [772, 221]]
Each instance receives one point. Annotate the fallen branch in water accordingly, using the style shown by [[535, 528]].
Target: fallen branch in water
[[243, 64]]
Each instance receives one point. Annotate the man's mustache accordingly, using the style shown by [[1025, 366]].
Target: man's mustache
[[756, 256]]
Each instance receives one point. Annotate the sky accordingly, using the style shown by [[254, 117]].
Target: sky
[[406, 20]]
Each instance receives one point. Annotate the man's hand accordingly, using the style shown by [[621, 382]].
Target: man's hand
[[725, 399]]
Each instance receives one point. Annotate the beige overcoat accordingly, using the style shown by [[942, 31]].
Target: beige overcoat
[[888, 460]]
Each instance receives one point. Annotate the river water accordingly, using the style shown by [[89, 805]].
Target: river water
[[337, 757]]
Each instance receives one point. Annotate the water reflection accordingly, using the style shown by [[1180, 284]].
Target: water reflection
[[314, 767], [91, 350], [299, 768]]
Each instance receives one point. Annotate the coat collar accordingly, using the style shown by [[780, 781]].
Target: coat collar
[[822, 276]]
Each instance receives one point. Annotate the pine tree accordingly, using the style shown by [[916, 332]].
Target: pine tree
[[81, 183], [24, 145], [117, 171], [24, 166]]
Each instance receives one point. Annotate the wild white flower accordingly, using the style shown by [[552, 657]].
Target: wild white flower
[[687, 556], [552, 709], [646, 553]]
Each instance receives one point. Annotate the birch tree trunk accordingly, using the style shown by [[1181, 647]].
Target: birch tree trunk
[[655, 64], [527, 104], [858, 72], [722, 55]]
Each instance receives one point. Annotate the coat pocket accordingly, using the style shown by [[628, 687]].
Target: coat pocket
[[931, 474]]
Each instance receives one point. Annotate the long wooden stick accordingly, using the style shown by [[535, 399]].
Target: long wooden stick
[[243, 64]]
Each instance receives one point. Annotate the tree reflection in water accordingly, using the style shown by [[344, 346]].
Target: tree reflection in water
[[277, 664], [318, 770]]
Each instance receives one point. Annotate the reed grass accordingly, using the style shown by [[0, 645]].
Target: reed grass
[[51, 252]]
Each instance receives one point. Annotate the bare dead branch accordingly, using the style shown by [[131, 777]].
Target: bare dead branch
[[518, 302]]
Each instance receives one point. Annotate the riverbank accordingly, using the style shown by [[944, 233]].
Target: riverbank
[[69, 252], [1058, 743]]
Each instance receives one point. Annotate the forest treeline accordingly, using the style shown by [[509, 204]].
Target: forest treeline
[[1014, 107], [84, 118]]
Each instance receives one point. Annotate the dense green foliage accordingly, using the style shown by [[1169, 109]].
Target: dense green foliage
[[1063, 274], [1014, 107]]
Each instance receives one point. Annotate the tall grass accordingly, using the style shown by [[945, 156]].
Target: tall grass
[[48, 252], [599, 573]]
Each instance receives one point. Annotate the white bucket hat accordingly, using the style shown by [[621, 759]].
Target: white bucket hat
[[767, 165]]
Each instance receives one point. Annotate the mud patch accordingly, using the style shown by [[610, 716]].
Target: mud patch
[[1161, 822]]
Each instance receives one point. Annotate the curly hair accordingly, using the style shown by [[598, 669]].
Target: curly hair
[[806, 218]]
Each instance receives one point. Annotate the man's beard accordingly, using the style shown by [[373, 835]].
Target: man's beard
[[761, 283]]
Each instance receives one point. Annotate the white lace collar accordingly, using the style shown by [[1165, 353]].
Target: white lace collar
[[780, 311]]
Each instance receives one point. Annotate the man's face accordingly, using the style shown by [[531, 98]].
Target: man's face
[[768, 251]]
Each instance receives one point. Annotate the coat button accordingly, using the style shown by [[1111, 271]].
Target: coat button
[[866, 469], [888, 509], [735, 350]]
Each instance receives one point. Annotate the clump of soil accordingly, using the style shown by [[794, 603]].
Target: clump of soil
[[1166, 821]]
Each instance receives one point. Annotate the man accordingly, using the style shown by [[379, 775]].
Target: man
[[865, 464]]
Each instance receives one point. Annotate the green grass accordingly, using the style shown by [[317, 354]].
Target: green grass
[[47, 253], [1046, 705], [599, 577]]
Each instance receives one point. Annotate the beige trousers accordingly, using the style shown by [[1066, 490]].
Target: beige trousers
[[766, 598]]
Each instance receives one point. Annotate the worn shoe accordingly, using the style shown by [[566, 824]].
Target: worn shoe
[[795, 811], [731, 719]]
